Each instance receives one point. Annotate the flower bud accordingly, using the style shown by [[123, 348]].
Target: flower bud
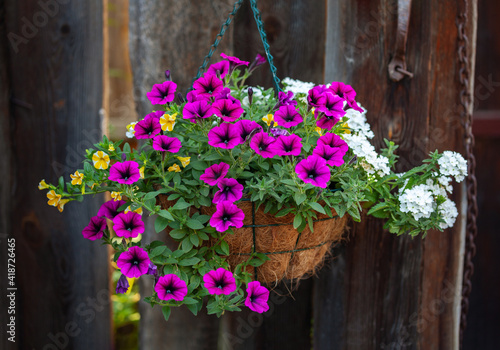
[[167, 75], [250, 96]]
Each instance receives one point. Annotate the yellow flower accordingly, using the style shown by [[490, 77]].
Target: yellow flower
[[61, 204], [319, 131], [268, 119], [42, 185], [53, 197], [167, 121], [141, 172], [111, 147], [185, 161], [93, 185], [101, 160], [76, 178], [83, 189], [116, 196], [345, 128], [138, 210], [175, 168]]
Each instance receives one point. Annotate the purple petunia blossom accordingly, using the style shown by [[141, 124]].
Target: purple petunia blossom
[[279, 132], [215, 173], [354, 105], [220, 281], [147, 128], [157, 115], [162, 93], [227, 214], [334, 141], [193, 97], [134, 262], [171, 287], [261, 143], [122, 285], [257, 297], [152, 269], [224, 136], [219, 69], [230, 190], [288, 116], [109, 209], [258, 61], [327, 122], [208, 85], [344, 91], [234, 61], [125, 173], [286, 99], [227, 110], [197, 110], [128, 225], [315, 94], [333, 156], [95, 228], [246, 127], [331, 105], [313, 170], [290, 145], [166, 144]]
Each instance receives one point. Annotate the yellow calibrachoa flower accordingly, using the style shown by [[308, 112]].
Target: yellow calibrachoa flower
[[268, 119], [319, 131], [53, 197], [76, 178], [93, 185], [185, 161], [138, 210], [116, 196], [141, 172], [167, 121], [100, 160], [345, 128], [175, 168], [61, 204], [42, 185], [111, 147]]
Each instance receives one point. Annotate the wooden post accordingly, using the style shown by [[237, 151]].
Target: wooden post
[[55, 63]]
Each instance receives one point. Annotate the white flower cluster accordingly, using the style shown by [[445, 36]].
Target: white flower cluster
[[358, 141], [421, 202], [453, 164], [297, 86]]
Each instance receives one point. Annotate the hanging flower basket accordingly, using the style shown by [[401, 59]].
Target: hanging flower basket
[[253, 186]]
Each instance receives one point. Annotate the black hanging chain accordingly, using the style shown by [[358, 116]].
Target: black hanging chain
[[471, 182]]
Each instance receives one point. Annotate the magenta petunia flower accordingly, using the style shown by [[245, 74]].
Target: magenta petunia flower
[[156, 114], [257, 297], [331, 105], [246, 127], [197, 110], [95, 228], [162, 93], [288, 116], [333, 156], [261, 143], [334, 141], [314, 95], [327, 122], [122, 285], [230, 190], [290, 145], [165, 143], [219, 69], [286, 99], [220, 281], [125, 173], [171, 287], [235, 61], [344, 91], [208, 85], [147, 128], [128, 225], [224, 136], [227, 214], [109, 209], [215, 173], [193, 97], [228, 110], [134, 262], [313, 170], [258, 61], [354, 105]]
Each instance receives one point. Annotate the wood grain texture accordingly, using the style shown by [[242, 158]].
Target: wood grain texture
[[56, 86]]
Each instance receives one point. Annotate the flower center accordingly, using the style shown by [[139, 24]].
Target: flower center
[[168, 291], [226, 189], [135, 262], [225, 218]]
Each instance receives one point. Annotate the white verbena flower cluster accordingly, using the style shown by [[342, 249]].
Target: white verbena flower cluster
[[453, 164], [297, 86], [358, 141]]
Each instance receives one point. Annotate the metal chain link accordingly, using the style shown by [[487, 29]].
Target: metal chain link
[[471, 182]]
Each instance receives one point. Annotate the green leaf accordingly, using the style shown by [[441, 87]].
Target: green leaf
[[213, 156], [194, 308], [61, 183], [177, 234], [166, 312], [199, 165], [300, 197], [166, 214], [158, 251], [160, 224], [189, 261], [181, 205], [317, 207], [297, 221], [284, 212], [194, 239], [224, 247], [195, 224], [186, 244], [205, 201], [189, 301]]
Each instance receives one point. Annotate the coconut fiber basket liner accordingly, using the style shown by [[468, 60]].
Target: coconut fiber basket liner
[[293, 255]]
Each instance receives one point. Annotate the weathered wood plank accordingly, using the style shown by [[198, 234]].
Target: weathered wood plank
[[56, 86]]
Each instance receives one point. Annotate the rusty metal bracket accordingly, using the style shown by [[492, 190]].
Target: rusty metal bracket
[[397, 66]]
